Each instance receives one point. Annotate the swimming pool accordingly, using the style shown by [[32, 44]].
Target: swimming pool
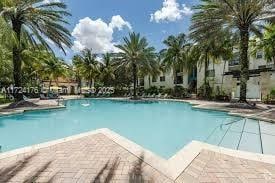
[[163, 127]]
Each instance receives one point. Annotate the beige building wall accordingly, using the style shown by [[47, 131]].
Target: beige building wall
[[257, 86], [168, 83]]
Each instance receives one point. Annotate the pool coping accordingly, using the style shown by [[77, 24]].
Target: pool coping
[[172, 168], [23, 110]]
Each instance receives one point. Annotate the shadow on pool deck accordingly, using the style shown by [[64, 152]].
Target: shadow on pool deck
[[107, 172], [7, 174]]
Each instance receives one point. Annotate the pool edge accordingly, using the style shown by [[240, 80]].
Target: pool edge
[[172, 168]]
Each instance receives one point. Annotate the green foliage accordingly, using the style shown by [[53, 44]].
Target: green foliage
[[136, 55], [205, 91], [234, 16], [152, 90], [168, 91], [272, 93], [4, 100], [175, 55], [180, 92], [87, 66]]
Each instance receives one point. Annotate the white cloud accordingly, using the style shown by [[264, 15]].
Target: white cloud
[[50, 1], [118, 22], [97, 34], [171, 11]]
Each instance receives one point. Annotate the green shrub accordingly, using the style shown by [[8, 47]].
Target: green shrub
[[180, 92], [205, 92], [168, 91], [152, 90], [272, 93]]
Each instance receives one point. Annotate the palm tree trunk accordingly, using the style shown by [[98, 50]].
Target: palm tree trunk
[[16, 58], [50, 83], [90, 83], [135, 79], [244, 62], [223, 75], [205, 72]]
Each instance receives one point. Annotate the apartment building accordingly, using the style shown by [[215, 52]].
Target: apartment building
[[169, 79], [223, 76], [226, 76]]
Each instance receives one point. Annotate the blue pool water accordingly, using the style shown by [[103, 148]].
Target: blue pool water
[[160, 126]]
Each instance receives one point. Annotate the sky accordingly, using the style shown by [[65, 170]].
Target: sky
[[101, 24]]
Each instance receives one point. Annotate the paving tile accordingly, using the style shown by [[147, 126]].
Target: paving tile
[[96, 158]]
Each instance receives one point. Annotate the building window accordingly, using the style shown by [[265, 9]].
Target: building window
[[179, 80], [235, 60], [210, 73], [154, 79], [259, 55], [162, 78]]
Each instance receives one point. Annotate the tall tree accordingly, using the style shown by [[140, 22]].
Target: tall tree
[[77, 71], [54, 68], [135, 54], [266, 44], [36, 21], [174, 56], [89, 65], [242, 16], [107, 70]]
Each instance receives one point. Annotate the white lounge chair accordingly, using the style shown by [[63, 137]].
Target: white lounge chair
[[159, 95]]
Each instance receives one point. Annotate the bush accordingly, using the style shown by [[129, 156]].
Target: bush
[[205, 92], [4, 100], [272, 93], [168, 91], [180, 92], [152, 90]]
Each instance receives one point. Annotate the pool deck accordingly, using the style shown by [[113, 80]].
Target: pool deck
[[104, 156], [100, 156]]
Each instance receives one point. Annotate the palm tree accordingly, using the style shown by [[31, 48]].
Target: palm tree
[[54, 68], [135, 54], [89, 65], [77, 71], [35, 21], [266, 44], [174, 56], [107, 70], [242, 16]]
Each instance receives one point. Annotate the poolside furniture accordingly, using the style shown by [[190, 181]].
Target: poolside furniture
[[165, 96], [158, 96], [143, 95], [25, 98], [53, 96], [43, 97]]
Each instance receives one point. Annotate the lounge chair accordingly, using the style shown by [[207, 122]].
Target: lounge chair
[[158, 96], [53, 96], [25, 98], [143, 95], [165, 96], [43, 97]]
